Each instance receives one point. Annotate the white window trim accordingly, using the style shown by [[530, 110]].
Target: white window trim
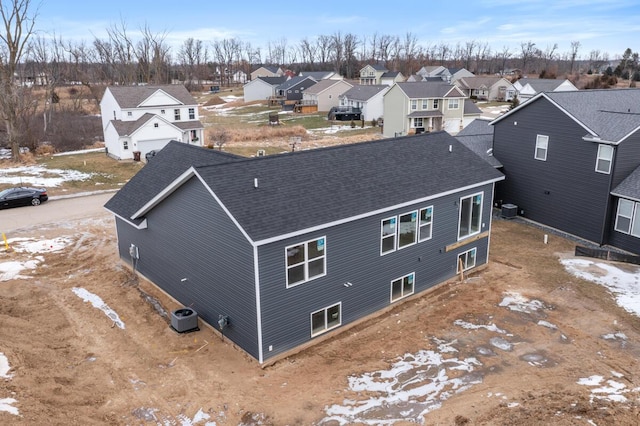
[[451, 105], [413, 212], [466, 254], [395, 235], [481, 194], [305, 262], [414, 123], [325, 309], [420, 224], [436, 103], [542, 142], [414, 104], [601, 157], [402, 296], [634, 218]]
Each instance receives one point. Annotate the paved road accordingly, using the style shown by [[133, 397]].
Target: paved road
[[54, 210]]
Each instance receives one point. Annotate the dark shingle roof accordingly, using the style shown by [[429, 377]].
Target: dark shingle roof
[[630, 187], [471, 108], [478, 137], [294, 81], [429, 89], [168, 164], [390, 74], [378, 67], [364, 92], [312, 188], [317, 75], [125, 128], [132, 96], [542, 84], [273, 81]]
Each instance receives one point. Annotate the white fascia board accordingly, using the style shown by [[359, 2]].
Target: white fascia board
[[168, 190]]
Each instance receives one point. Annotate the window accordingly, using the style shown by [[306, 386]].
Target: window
[[470, 216], [467, 260], [402, 287], [176, 114], [161, 111], [542, 145], [454, 103], [388, 235], [129, 114], [426, 219], [305, 261], [628, 217], [425, 104], [326, 319], [605, 159], [417, 122], [192, 113], [414, 104], [125, 145], [435, 104], [155, 124], [407, 229]]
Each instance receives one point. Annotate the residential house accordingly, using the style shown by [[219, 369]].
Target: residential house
[[418, 77], [325, 93], [290, 249], [418, 107], [478, 137], [435, 71], [372, 74], [390, 77], [262, 88], [321, 75], [368, 98], [458, 73], [291, 90], [267, 71], [572, 162], [527, 88], [487, 88], [139, 119], [438, 72], [239, 77]]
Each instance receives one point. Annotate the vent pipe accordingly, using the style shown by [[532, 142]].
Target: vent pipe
[[450, 148], [255, 182]]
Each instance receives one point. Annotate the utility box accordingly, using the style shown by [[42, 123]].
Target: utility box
[[509, 211], [184, 320]]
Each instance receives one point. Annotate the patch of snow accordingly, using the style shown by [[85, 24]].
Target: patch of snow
[[612, 390], [6, 405], [469, 326], [40, 176], [97, 302], [614, 336], [29, 245], [413, 386], [12, 270], [625, 286], [547, 324], [4, 367], [500, 343], [519, 303]]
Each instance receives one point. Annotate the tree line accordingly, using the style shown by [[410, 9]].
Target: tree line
[[29, 59]]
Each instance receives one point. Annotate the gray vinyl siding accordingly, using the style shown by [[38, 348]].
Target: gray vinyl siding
[[619, 239], [353, 256], [565, 191], [627, 159], [189, 236]]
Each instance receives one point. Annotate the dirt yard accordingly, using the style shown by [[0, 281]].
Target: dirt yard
[[70, 363]]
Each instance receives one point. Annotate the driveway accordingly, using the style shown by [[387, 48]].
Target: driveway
[[57, 209]]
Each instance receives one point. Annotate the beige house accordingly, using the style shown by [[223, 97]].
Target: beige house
[[325, 93], [267, 71], [417, 107], [487, 88]]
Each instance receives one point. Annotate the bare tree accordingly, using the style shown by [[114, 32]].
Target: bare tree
[[527, 53], [503, 57], [219, 136], [323, 44], [19, 21], [548, 55], [573, 54]]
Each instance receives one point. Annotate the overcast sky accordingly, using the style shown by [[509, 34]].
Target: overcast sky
[[606, 25]]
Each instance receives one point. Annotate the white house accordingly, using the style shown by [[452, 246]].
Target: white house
[[139, 119], [262, 88], [369, 98], [527, 88]]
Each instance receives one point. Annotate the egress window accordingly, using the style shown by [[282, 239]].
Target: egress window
[[402, 287], [326, 319], [305, 261], [467, 260]]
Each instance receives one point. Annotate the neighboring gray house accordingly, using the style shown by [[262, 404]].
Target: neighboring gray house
[[478, 137], [369, 98], [321, 75], [572, 162], [262, 88], [295, 247], [291, 90], [418, 107]]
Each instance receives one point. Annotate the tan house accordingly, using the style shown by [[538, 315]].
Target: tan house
[[325, 93], [487, 88], [267, 71], [417, 107]]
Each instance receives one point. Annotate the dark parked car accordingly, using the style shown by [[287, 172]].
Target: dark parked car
[[22, 196]]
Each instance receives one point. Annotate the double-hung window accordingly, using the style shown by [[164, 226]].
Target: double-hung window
[[417, 122], [192, 113], [176, 114], [605, 159], [435, 103], [326, 319], [402, 287], [414, 104], [470, 216], [542, 145], [305, 261], [388, 235], [467, 260], [628, 217], [426, 219], [425, 103], [454, 104]]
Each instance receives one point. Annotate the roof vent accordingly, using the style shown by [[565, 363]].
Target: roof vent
[[255, 182], [450, 148]]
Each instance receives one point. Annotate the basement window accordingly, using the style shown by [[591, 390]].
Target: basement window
[[467, 260], [326, 319], [402, 287]]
